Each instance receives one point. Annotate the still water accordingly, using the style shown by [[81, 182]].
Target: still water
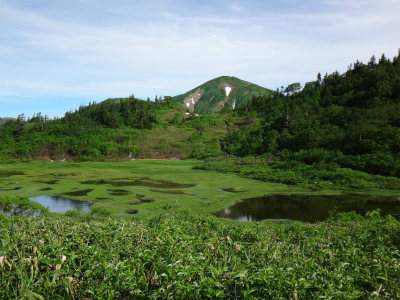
[[306, 208], [60, 204], [144, 181]]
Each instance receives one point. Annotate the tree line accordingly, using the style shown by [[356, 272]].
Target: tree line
[[347, 120]]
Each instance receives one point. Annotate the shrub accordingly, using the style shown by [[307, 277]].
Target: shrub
[[20, 205]]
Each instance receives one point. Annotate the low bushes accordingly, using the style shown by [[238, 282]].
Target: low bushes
[[181, 255]]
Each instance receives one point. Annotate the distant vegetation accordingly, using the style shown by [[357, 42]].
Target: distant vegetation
[[330, 134], [349, 120]]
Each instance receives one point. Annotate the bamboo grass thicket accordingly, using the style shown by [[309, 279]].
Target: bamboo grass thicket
[[182, 255]]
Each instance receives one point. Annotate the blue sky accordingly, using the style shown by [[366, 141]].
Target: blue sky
[[58, 54]]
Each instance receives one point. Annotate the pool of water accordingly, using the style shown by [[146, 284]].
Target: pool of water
[[8, 173], [119, 192], [162, 184], [78, 193], [306, 208], [60, 204]]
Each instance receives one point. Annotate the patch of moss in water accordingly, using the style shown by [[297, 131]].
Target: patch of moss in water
[[232, 190], [46, 189], [162, 184], [78, 193], [147, 200], [119, 192], [143, 199], [10, 189], [8, 173], [63, 174]]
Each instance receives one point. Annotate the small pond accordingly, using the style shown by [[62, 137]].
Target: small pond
[[145, 181], [8, 173], [60, 204], [78, 193], [119, 192], [306, 208]]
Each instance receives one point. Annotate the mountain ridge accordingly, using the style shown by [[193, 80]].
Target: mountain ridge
[[224, 92]]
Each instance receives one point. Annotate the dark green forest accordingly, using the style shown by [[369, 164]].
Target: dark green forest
[[351, 120], [334, 128], [90, 132], [324, 132]]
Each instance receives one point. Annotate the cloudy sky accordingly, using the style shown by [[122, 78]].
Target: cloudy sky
[[58, 54]]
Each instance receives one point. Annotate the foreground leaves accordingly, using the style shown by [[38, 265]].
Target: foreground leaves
[[184, 256]]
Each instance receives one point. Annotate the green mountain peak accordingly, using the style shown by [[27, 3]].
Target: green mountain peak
[[219, 93]]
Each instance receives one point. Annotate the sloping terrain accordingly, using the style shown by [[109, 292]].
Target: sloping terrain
[[219, 93]]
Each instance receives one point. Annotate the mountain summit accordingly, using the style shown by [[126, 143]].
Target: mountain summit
[[221, 92]]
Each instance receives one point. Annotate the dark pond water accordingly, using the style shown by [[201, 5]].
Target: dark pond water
[[60, 204], [232, 190], [78, 193], [10, 189], [162, 184], [119, 192], [8, 173], [306, 208]]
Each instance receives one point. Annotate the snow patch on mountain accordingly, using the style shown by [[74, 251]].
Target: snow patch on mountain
[[227, 90]]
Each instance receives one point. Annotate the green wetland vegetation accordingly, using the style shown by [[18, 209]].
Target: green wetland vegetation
[[138, 184], [178, 254]]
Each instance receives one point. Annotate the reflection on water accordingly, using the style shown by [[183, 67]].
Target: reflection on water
[[60, 204], [306, 208]]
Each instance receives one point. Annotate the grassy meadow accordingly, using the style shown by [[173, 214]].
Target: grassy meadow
[[63, 178]]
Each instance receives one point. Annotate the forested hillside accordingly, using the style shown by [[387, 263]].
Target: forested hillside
[[319, 133], [124, 129], [88, 132], [349, 120]]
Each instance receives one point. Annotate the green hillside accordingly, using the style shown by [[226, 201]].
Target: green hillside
[[316, 136], [219, 93]]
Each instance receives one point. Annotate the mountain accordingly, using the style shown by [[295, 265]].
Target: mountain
[[221, 92]]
